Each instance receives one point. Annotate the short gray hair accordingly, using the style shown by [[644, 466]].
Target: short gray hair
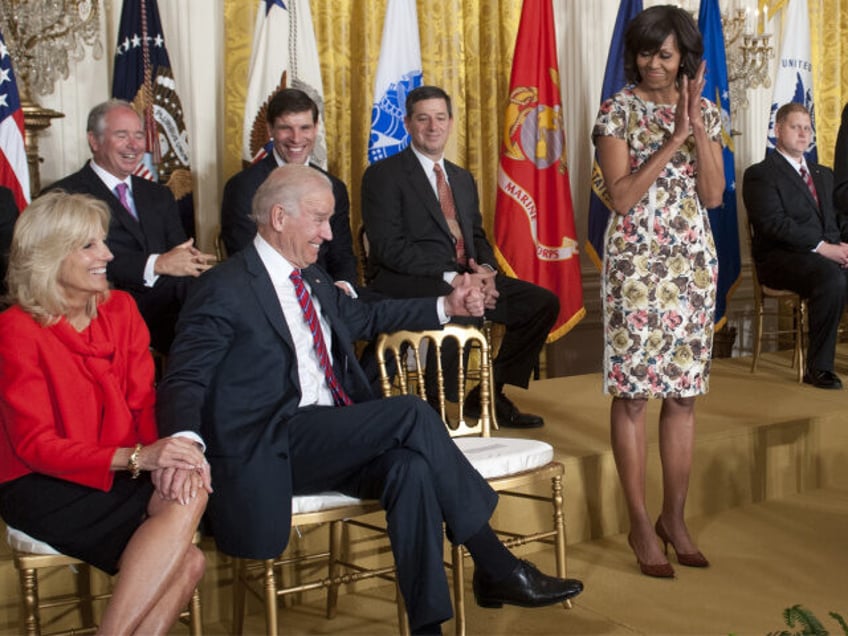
[[97, 116], [286, 186]]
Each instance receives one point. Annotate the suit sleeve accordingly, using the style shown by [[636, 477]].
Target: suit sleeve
[[340, 260], [840, 171], [237, 228], [772, 212], [204, 333], [8, 216]]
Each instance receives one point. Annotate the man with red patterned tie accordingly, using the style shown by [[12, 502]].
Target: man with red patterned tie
[[800, 242], [284, 409]]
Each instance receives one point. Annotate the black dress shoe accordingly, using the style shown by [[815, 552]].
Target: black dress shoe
[[822, 379], [507, 413], [526, 587]]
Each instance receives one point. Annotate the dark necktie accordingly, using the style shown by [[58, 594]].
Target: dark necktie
[[311, 318], [808, 179], [121, 190], [449, 210]]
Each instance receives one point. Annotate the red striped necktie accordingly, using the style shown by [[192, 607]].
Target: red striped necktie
[[808, 179], [311, 318]]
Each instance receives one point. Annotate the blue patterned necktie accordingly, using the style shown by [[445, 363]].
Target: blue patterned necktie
[[311, 318]]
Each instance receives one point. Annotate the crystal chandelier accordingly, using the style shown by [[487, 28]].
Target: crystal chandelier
[[748, 58], [44, 35]]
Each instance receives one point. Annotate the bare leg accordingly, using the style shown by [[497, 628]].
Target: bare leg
[[159, 568], [677, 437], [627, 432]]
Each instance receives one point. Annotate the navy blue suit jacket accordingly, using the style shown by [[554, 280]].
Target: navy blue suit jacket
[[232, 378]]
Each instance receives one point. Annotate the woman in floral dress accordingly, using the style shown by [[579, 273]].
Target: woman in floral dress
[[659, 148]]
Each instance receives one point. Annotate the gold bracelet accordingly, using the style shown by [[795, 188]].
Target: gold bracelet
[[132, 464]]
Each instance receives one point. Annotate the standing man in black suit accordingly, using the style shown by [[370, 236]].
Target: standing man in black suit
[[840, 166], [293, 127], [417, 250], [153, 258], [799, 240], [8, 217], [285, 412]]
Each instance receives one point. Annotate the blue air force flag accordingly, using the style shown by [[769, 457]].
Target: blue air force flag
[[599, 206], [723, 218], [284, 55], [794, 81], [398, 72], [143, 76]]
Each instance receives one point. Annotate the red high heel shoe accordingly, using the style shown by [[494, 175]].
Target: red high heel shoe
[[693, 560], [659, 570]]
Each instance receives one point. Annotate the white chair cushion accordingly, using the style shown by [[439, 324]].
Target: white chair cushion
[[321, 501], [22, 542], [501, 456]]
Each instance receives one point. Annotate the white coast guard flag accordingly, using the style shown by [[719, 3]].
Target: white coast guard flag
[[794, 81], [398, 72], [284, 55]]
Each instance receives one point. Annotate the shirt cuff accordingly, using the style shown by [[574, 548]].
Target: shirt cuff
[[818, 245], [449, 276], [440, 311], [348, 288], [194, 437], [150, 275]]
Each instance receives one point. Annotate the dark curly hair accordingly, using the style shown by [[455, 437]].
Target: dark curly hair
[[648, 30]]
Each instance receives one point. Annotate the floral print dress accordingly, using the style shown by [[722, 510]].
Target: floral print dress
[[660, 265]]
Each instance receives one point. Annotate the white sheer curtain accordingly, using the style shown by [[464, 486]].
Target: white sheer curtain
[[194, 35]]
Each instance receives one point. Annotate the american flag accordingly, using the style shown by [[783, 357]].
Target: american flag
[[14, 173]]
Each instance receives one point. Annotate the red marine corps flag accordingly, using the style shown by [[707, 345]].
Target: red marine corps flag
[[535, 236]]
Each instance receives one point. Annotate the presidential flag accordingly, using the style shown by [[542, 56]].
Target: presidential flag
[[398, 72], [535, 234], [794, 81], [723, 218], [14, 172], [284, 55], [143, 76], [599, 203]]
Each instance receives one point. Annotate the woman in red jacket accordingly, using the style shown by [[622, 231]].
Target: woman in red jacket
[[80, 464]]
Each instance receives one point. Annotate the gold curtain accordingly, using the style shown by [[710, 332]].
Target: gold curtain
[[828, 29], [466, 48]]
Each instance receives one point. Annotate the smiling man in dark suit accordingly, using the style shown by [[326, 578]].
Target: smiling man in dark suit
[[246, 377], [425, 230], [293, 126], [799, 240], [153, 258]]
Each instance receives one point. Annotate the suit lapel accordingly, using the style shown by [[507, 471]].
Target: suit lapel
[[119, 212], [421, 183], [791, 175], [464, 207], [266, 295]]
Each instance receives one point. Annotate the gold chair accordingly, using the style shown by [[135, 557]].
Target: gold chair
[[510, 465], [265, 578], [31, 556], [784, 298]]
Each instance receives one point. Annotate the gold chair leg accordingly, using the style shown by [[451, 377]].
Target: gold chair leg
[[29, 585], [195, 614], [238, 595], [458, 589], [270, 598], [558, 501], [333, 568]]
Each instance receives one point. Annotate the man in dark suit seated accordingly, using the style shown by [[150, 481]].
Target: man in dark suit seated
[[421, 241], [263, 373], [799, 240], [8, 216], [153, 258], [293, 127]]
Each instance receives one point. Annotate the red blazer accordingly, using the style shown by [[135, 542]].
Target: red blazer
[[68, 400]]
